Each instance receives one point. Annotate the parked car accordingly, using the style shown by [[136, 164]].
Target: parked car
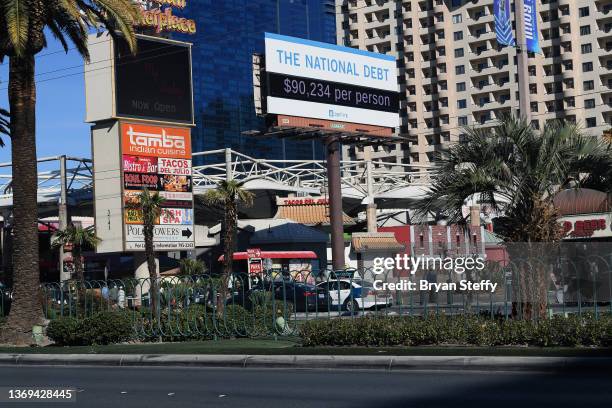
[[303, 296], [354, 295]]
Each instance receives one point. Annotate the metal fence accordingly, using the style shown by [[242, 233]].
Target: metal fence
[[277, 303]]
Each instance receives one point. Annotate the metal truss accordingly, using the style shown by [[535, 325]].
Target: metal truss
[[307, 176]]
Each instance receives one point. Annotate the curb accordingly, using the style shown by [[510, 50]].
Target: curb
[[386, 363]]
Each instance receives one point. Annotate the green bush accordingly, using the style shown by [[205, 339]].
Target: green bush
[[64, 331], [102, 328], [458, 330], [107, 328]]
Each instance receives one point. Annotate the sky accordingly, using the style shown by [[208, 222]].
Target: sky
[[60, 109]]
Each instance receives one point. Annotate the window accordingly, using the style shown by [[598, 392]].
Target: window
[[583, 11], [586, 48], [462, 120], [460, 86], [461, 104], [457, 18], [585, 30], [588, 85], [587, 66], [459, 52], [589, 103], [591, 122], [458, 35], [460, 69], [534, 106]]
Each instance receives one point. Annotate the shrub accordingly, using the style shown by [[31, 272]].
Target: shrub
[[107, 328], [64, 331], [461, 330]]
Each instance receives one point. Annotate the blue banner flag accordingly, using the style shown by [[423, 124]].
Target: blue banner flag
[[503, 24], [530, 26]]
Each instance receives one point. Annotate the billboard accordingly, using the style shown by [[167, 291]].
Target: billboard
[[330, 82], [156, 83], [157, 158]]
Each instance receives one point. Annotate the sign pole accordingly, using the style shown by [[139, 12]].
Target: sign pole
[[333, 152], [522, 63]]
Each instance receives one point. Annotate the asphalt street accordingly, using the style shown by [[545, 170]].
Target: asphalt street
[[225, 387]]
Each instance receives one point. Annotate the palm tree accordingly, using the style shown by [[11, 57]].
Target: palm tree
[[517, 172], [24, 25], [150, 206], [78, 238], [192, 267], [4, 124], [228, 194]]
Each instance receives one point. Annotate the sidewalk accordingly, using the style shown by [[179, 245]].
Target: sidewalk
[[385, 363]]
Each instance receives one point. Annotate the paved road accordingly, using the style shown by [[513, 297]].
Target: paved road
[[193, 387]]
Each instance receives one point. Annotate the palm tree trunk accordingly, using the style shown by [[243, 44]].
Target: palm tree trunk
[[228, 258], [26, 309], [152, 266]]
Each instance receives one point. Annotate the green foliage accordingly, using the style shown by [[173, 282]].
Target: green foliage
[[192, 267], [458, 330], [64, 331], [102, 328]]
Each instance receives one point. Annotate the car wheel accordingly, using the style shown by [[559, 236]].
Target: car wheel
[[351, 305]]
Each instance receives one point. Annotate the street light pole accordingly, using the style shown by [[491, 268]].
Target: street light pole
[[333, 151]]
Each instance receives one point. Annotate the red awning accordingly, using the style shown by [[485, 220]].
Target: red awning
[[276, 255]]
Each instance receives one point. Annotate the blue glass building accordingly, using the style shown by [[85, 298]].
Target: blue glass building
[[229, 33]]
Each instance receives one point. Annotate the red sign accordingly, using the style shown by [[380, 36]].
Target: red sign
[[156, 141], [254, 253], [137, 181], [136, 164], [304, 201], [255, 266], [584, 228]]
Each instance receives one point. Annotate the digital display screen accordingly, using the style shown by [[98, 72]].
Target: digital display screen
[[332, 93], [155, 83]]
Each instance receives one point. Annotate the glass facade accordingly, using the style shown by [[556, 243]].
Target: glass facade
[[229, 33]]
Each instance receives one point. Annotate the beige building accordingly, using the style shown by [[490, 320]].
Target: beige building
[[452, 72]]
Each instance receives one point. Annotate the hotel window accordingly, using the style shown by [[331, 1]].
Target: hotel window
[[459, 52], [583, 11], [457, 19], [591, 122], [461, 104], [587, 66], [585, 30], [586, 48], [588, 85], [460, 70], [458, 35], [589, 103], [460, 86], [462, 120]]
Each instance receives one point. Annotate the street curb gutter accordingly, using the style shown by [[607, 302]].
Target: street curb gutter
[[387, 363]]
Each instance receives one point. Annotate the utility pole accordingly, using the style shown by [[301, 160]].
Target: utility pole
[[333, 150], [522, 62]]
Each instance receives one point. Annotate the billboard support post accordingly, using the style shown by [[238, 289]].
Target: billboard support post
[[333, 152]]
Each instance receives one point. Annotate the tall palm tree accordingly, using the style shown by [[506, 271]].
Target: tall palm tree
[[78, 238], [150, 206], [24, 25], [4, 124], [517, 172], [228, 195]]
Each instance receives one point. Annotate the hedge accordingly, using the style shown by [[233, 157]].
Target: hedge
[[458, 330], [102, 328]]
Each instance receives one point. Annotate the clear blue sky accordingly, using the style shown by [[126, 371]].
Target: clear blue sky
[[60, 104]]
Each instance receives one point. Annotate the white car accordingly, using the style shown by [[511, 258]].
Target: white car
[[354, 295]]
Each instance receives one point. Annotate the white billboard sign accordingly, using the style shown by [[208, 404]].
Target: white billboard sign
[[324, 81], [165, 237]]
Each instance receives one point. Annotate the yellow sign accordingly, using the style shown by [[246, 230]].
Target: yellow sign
[[163, 19]]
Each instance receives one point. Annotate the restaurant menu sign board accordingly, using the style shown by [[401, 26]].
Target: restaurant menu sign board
[[158, 158]]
